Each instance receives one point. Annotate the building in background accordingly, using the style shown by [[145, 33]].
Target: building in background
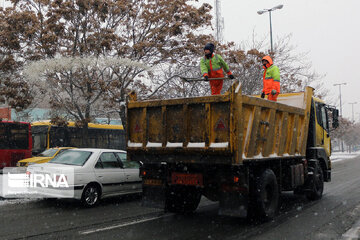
[[5, 113]]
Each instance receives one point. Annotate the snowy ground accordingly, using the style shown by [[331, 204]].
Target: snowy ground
[[341, 156]]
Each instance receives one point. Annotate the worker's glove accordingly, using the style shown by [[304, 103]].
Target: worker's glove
[[231, 76], [273, 92], [262, 95], [206, 78]]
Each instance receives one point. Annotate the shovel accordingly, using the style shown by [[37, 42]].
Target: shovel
[[202, 79]]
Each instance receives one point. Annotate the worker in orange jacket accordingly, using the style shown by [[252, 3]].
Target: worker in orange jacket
[[211, 66], [271, 79]]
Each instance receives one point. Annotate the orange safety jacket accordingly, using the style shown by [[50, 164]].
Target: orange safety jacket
[[271, 78]]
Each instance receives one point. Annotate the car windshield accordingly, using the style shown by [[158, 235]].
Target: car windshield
[[72, 157], [48, 153]]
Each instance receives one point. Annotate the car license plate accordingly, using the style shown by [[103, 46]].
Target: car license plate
[[193, 179]]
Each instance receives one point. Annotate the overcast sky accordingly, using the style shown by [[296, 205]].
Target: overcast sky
[[329, 30]]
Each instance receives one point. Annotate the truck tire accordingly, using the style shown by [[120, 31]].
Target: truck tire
[[265, 197], [315, 182], [180, 199]]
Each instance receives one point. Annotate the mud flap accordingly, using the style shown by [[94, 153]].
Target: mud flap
[[233, 204], [154, 197]]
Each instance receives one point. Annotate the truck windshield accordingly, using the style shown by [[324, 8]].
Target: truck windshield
[[321, 115]]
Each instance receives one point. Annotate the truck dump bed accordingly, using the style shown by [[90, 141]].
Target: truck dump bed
[[225, 129]]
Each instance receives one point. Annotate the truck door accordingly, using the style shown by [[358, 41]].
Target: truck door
[[322, 128]]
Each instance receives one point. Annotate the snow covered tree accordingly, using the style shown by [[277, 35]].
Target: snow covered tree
[[78, 85], [148, 31]]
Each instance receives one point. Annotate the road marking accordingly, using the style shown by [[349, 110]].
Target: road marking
[[117, 226]]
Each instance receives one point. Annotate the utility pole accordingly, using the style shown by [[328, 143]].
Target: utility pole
[[339, 84], [219, 22], [352, 108]]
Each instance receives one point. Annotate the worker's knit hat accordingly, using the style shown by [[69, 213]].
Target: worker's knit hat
[[210, 47]]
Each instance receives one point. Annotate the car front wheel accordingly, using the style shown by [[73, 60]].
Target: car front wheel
[[91, 195]]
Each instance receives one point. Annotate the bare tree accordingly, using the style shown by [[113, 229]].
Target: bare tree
[[295, 70]]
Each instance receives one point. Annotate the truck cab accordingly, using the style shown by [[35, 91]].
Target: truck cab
[[319, 141]]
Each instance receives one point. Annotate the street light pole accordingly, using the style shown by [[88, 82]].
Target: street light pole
[[271, 41], [269, 11], [339, 84], [352, 108]]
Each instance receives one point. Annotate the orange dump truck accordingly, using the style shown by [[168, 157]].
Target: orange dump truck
[[239, 150]]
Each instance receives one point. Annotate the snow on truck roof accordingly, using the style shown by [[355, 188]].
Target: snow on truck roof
[[292, 99]]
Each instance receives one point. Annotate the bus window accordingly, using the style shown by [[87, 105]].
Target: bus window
[[99, 136], [39, 135], [59, 137], [4, 142], [19, 136]]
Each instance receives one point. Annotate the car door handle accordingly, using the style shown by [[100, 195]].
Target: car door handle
[[100, 176]]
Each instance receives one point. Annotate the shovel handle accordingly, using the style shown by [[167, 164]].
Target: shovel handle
[[202, 79]]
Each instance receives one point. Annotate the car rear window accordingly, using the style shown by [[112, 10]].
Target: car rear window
[[72, 157]]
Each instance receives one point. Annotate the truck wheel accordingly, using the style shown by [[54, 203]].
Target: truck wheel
[[91, 195], [315, 183], [182, 199], [265, 199]]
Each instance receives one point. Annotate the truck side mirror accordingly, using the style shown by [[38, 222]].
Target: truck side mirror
[[335, 118]]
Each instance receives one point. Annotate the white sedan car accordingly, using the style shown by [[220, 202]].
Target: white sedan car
[[96, 173]]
